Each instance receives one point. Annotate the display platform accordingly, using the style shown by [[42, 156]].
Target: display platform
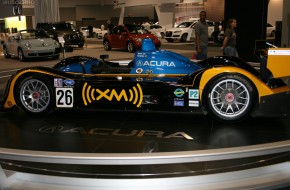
[[125, 132], [97, 150]]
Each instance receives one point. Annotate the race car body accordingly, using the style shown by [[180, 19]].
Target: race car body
[[147, 60], [226, 87]]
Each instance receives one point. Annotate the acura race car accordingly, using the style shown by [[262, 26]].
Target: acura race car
[[227, 88]]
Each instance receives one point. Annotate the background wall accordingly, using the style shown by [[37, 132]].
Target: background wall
[[275, 10]]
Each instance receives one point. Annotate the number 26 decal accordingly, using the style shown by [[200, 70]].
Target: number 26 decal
[[64, 97]]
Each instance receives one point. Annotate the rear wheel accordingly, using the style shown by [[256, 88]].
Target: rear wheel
[[107, 46], [130, 47], [34, 95], [230, 97]]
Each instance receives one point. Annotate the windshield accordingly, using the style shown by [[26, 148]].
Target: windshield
[[137, 29], [33, 34], [64, 26], [184, 25]]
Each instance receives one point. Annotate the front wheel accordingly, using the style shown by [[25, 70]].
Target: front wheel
[[34, 95], [5, 51], [183, 37], [107, 46], [230, 98], [21, 56]]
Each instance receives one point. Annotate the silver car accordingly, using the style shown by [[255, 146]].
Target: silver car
[[31, 44]]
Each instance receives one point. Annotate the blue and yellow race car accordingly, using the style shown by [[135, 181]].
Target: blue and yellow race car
[[227, 88]]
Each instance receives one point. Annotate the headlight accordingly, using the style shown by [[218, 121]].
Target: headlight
[[138, 39], [56, 43], [27, 45], [178, 31]]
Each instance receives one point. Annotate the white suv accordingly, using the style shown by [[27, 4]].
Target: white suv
[[185, 32]]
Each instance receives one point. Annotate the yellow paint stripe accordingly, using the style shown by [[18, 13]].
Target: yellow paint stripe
[[83, 94], [141, 95], [10, 98]]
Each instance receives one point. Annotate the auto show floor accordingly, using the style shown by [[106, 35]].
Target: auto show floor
[[124, 132]]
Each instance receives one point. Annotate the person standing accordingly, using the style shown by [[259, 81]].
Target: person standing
[[201, 36], [90, 28], [110, 26], [230, 38]]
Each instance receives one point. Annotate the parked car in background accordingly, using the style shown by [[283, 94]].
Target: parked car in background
[[185, 31], [181, 32], [128, 36], [101, 33], [270, 30], [63, 29], [221, 36], [158, 30], [97, 32], [31, 44]]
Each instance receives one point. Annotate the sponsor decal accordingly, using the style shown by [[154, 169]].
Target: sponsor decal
[[179, 92], [193, 103], [69, 82], [141, 55], [278, 52], [139, 70], [155, 63], [56, 129], [193, 94], [58, 82], [134, 95], [178, 103]]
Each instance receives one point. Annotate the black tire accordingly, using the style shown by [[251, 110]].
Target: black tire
[[229, 98], [273, 34], [130, 47], [34, 95], [162, 35], [56, 56], [5, 51], [81, 45], [184, 37], [21, 56], [107, 46]]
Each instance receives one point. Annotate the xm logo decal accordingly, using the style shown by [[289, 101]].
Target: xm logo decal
[[134, 95]]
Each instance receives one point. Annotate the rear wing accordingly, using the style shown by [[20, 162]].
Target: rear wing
[[279, 62], [274, 59]]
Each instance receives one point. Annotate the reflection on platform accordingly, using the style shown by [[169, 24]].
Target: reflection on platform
[[122, 132]]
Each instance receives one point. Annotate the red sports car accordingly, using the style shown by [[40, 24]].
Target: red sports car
[[128, 36]]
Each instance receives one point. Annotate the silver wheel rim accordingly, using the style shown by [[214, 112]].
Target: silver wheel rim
[[106, 45], [230, 98], [34, 95], [130, 46], [20, 55]]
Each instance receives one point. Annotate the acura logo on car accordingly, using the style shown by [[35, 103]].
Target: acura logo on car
[[156, 63]]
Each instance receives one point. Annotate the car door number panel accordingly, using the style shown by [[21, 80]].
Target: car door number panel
[[64, 97]]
